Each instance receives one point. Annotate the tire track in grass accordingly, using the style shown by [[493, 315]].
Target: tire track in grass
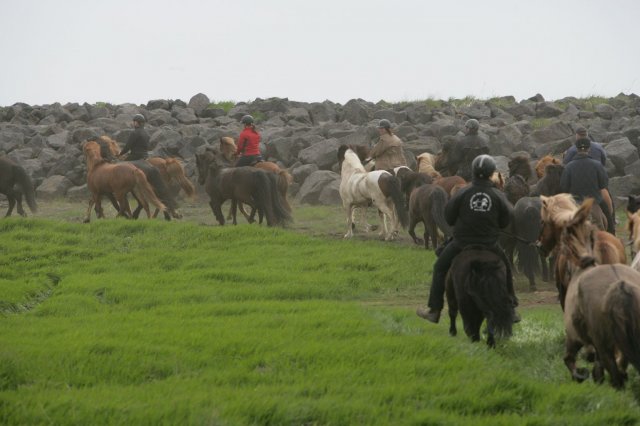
[[34, 299]]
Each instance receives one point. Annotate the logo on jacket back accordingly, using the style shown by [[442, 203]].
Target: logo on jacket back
[[480, 202]]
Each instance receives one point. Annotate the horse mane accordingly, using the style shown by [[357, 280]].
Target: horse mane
[[559, 208], [425, 164], [112, 145], [91, 149], [541, 165], [633, 225], [228, 147], [497, 179]]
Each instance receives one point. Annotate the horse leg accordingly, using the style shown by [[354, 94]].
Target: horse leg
[[19, 208], [453, 308], [609, 363], [412, 226], [571, 348], [217, 211], [233, 211], [12, 203], [349, 210], [87, 218]]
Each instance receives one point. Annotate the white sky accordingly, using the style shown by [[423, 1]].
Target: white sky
[[121, 51]]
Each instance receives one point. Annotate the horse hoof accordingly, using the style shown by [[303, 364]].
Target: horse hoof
[[581, 374]]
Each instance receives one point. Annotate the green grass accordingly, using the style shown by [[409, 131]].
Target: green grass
[[154, 322], [224, 105], [540, 123]]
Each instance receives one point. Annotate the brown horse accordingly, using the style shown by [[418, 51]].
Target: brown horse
[[449, 183], [285, 179], [249, 185], [426, 205], [119, 179], [171, 169], [602, 306], [541, 165], [556, 212], [14, 181], [477, 287], [516, 186], [633, 225]]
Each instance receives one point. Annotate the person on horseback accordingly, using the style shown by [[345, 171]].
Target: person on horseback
[[477, 213], [585, 177], [388, 153], [248, 150], [467, 149], [138, 144]]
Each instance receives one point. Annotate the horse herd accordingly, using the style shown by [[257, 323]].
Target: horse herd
[[599, 293]]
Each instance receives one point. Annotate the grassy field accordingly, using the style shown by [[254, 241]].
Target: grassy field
[[185, 322]]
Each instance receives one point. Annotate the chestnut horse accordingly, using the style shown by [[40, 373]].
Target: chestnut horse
[[119, 179], [171, 169], [425, 163], [13, 175], [556, 212], [633, 225], [602, 305], [542, 164]]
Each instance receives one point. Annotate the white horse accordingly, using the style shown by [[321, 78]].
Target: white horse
[[359, 188]]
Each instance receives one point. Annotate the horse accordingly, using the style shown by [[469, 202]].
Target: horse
[[171, 169], [526, 227], [285, 179], [477, 287], [549, 183], [426, 205], [498, 180], [541, 165], [14, 181], [602, 307], [556, 212], [358, 187], [109, 150], [633, 204], [410, 180], [249, 185], [633, 226], [516, 186], [449, 183], [118, 179], [425, 163]]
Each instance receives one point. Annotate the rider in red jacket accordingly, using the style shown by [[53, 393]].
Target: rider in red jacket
[[248, 150]]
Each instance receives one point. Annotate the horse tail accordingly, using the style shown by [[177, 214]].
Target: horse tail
[[263, 195], [284, 179], [623, 310], [281, 208], [176, 172], [160, 188], [145, 190], [24, 181], [439, 199], [528, 229], [489, 292], [390, 187]]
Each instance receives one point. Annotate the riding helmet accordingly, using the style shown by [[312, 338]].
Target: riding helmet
[[472, 124], [247, 119], [139, 118], [483, 166], [384, 124]]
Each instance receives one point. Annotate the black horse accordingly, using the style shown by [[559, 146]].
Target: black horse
[[526, 229], [14, 182], [426, 205], [248, 185], [477, 287]]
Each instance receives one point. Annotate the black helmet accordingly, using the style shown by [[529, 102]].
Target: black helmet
[[139, 118], [472, 124], [583, 143], [483, 166], [247, 119], [384, 124]]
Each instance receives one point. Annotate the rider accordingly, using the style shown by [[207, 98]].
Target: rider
[[469, 147], [585, 177], [248, 150], [138, 143], [388, 153], [477, 212]]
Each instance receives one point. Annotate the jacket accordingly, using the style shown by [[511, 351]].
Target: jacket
[[468, 148], [477, 213], [584, 177], [248, 142], [388, 153], [137, 144]]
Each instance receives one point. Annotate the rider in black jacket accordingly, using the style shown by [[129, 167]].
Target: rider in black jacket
[[138, 143], [477, 213]]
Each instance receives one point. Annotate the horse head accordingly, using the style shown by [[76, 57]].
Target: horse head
[[91, 150], [542, 164], [633, 225], [348, 160], [578, 237], [519, 165], [555, 213], [206, 161], [228, 148]]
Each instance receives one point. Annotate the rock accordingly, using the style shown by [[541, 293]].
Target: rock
[[199, 103], [605, 111], [324, 154], [313, 186], [53, 187], [624, 185], [159, 104], [59, 140], [301, 173], [477, 110], [356, 111], [621, 153], [10, 141]]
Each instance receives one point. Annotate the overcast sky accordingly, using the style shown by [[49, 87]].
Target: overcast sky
[[121, 51]]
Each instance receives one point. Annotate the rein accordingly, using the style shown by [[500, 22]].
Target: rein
[[520, 239]]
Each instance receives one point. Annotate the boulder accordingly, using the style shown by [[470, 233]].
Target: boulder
[[313, 186], [477, 110], [159, 104], [324, 154], [199, 103], [10, 140], [53, 187], [604, 111], [624, 185], [58, 140], [356, 111], [330, 194], [621, 153], [301, 173], [166, 139]]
